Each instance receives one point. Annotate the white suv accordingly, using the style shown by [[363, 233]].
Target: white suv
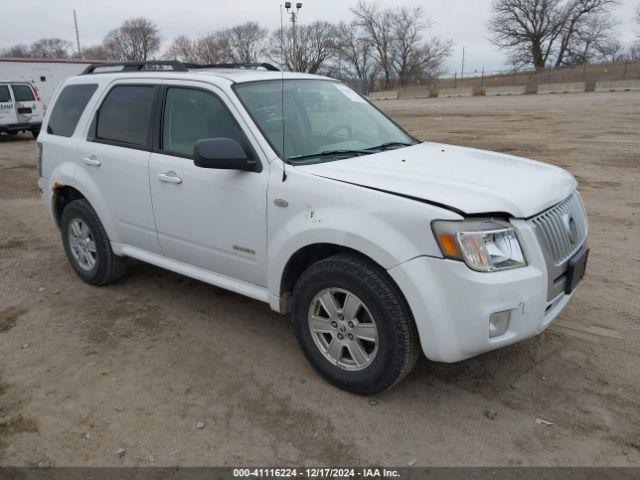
[[294, 190]]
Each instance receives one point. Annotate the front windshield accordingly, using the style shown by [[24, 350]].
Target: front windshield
[[322, 121]]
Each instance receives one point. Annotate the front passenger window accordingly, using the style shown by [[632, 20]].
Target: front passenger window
[[191, 115]]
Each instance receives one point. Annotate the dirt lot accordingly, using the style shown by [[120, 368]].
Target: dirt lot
[[137, 365]]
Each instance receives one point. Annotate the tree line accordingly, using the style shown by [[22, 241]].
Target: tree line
[[385, 44]]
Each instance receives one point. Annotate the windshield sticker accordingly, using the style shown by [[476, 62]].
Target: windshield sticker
[[350, 94]]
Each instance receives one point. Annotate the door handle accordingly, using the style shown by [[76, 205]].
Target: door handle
[[92, 160], [169, 177]]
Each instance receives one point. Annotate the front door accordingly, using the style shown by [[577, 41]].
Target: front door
[[7, 107], [213, 219]]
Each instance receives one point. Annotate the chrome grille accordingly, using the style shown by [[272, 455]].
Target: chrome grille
[[553, 229]]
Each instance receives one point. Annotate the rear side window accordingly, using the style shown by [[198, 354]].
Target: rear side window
[[4, 94], [23, 93], [125, 115], [68, 108]]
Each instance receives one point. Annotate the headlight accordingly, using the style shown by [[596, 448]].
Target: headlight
[[484, 245]]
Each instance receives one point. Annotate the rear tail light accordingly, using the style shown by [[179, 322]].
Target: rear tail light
[[39, 159], [35, 91]]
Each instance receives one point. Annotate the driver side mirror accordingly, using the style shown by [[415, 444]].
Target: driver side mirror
[[222, 153]]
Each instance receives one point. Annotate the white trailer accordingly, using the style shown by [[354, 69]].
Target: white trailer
[[45, 75]]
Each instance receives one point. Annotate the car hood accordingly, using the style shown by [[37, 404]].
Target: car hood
[[464, 179]]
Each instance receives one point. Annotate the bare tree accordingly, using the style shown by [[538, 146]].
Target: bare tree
[[50, 48], [427, 60], [407, 25], [538, 31], [245, 43], [634, 48], [211, 49], [95, 52], [583, 15], [208, 49], [314, 46], [354, 49], [16, 51], [183, 48], [594, 40], [378, 26], [137, 39]]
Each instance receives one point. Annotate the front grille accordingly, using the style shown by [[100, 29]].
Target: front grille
[[553, 229], [24, 110]]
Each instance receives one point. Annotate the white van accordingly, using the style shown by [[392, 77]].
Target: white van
[[20, 108]]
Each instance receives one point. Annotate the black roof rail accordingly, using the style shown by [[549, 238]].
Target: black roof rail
[[174, 65], [135, 66], [266, 66]]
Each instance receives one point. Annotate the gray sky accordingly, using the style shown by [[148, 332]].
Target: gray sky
[[463, 21]]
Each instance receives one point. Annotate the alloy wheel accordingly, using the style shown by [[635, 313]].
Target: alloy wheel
[[343, 329], [82, 244]]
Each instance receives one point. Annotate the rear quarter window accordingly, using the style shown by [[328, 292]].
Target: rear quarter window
[[68, 108], [23, 93], [5, 96]]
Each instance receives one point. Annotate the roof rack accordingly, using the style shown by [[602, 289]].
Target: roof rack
[[173, 65], [266, 66], [136, 66]]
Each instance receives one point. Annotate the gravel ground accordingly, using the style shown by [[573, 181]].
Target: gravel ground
[[176, 372]]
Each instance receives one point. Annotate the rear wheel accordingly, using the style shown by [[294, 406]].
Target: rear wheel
[[353, 324], [35, 133], [87, 245]]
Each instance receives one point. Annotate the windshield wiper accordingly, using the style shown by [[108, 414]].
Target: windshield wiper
[[331, 153], [366, 151], [388, 145]]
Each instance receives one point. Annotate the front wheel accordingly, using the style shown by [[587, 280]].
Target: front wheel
[[354, 325]]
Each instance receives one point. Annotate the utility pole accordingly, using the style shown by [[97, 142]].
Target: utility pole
[[294, 18], [75, 23], [462, 71]]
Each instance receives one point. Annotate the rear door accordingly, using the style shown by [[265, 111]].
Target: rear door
[[7, 107], [27, 108], [115, 157]]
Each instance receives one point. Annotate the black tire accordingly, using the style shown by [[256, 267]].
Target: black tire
[[398, 347], [35, 133], [108, 267]]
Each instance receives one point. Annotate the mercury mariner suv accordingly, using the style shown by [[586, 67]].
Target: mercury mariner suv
[[294, 190]]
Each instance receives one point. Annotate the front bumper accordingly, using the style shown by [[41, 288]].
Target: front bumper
[[451, 303]]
